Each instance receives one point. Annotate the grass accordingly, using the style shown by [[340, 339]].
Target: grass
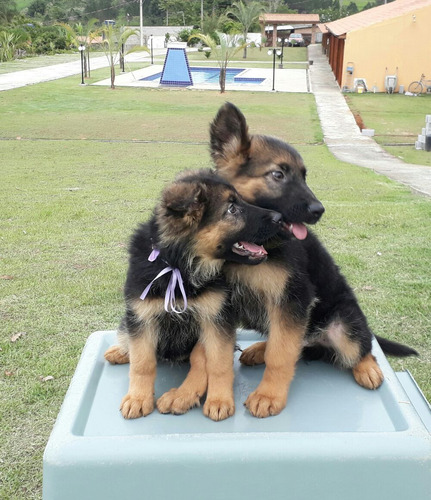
[[88, 167], [397, 120]]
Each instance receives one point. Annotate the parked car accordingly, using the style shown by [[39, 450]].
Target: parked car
[[295, 40]]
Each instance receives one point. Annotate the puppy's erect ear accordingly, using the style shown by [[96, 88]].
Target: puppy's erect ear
[[230, 141], [186, 201]]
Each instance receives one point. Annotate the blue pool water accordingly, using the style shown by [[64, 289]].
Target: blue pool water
[[211, 75]]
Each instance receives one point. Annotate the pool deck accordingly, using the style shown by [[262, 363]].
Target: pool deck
[[286, 80]]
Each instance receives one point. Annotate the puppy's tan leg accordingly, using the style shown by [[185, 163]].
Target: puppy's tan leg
[[219, 350], [253, 355], [283, 350], [180, 400], [139, 401], [366, 371]]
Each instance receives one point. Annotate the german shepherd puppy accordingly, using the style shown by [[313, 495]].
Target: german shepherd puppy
[[298, 297], [177, 299]]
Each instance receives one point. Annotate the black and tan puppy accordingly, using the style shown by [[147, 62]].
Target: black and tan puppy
[[177, 300], [298, 297]]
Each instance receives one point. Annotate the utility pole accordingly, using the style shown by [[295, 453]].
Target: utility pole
[[141, 22]]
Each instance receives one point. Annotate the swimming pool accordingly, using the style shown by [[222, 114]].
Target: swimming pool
[[211, 75]]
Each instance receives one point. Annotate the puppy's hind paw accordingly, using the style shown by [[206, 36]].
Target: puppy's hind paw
[[116, 355], [253, 355], [367, 373]]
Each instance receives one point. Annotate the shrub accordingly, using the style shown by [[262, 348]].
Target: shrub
[[47, 39], [187, 35]]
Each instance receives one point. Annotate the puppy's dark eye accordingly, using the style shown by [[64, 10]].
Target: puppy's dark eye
[[278, 175], [232, 209]]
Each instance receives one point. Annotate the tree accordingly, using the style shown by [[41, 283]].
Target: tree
[[37, 7], [247, 14], [223, 52], [114, 38], [84, 34], [213, 22], [7, 11], [180, 12]]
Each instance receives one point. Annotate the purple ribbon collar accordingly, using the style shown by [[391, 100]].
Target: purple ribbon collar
[[176, 280]]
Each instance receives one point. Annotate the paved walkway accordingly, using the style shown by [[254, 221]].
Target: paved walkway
[[18, 79], [340, 131], [343, 137], [287, 80]]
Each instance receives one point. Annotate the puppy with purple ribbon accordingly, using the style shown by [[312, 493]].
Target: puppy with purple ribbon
[[178, 303]]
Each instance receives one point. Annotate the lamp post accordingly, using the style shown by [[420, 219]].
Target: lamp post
[[283, 41], [151, 45], [274, 52], [123, 70], [81, 49]]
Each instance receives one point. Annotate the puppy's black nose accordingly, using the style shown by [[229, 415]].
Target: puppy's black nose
[[316, 209], [276, 217]]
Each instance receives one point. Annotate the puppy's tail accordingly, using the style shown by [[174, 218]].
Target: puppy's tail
[[395, 349]]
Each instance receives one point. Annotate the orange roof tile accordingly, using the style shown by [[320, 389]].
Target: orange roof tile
[[289, 18], [322, 27], [375, 15]]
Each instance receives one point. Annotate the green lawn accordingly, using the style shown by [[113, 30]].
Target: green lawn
[[397, 120], [81, 166]]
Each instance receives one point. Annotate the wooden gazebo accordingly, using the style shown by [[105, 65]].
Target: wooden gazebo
[[276, 20]]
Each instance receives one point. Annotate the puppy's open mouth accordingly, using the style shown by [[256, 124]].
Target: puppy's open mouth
[[297, 229], [249, 250]]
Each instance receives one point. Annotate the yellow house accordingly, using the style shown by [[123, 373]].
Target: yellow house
[[374, 45]]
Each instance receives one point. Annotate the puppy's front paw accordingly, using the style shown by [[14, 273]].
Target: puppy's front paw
[[177, 401], [136, 406], [219, 409], [262, 405]]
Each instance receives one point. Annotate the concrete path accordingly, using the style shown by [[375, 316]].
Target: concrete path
[[343, 136], [287, 80], [18, 79], [25, 77]]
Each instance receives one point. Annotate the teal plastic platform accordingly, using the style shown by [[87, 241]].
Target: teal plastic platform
[[334, 440]]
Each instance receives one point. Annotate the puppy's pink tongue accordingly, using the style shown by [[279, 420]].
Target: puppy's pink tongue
[[252, 248], [299, 231]]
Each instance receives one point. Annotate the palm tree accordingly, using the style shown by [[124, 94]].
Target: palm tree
[[213, 22], [224, 51], [82, 34], [247, 14], [113, 39]]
